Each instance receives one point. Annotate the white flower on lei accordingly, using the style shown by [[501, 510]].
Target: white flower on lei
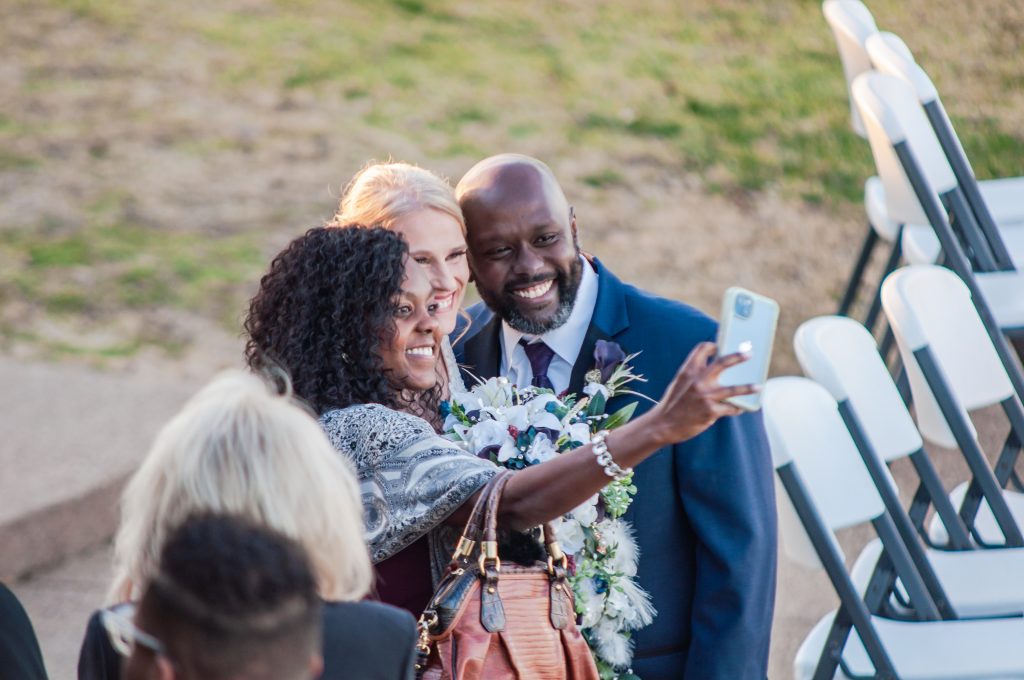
[[570, 531], [570, 535], [612, 646], [586, 512], [591, 603], [641, 612], [617, 605], [618, 536]]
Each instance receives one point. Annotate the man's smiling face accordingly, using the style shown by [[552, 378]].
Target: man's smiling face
[[522, 246]]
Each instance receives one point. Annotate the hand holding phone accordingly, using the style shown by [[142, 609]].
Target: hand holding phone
[[748, 326]]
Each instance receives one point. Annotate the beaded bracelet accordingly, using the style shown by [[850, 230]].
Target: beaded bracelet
[[604, 457]]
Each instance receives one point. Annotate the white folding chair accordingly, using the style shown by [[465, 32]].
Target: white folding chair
[[825, 488], [852, 24], [953, 368], [840, 354], [919, 186], [996, 202]]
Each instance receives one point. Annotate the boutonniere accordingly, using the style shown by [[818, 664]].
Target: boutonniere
[[611, 373]]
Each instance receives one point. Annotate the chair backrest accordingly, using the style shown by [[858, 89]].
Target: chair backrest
[[930, 306], [893, 115], [805, 429], [851, 24], [890, 55], [841, 355]]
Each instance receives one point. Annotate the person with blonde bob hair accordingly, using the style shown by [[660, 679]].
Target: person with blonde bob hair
[[421, 206], [239, 448]]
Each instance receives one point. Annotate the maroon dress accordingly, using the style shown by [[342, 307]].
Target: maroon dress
[[403, 580]]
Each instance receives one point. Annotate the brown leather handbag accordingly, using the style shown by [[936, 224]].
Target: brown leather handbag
[[494, 621]]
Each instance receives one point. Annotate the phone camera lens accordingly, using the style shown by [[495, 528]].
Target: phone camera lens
[[744, 306]]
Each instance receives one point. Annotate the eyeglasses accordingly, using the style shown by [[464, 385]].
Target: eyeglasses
[[125, 635]]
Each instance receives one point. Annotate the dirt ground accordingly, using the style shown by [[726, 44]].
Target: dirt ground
[[137, 131]]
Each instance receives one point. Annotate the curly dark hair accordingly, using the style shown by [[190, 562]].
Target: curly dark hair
[[321, 313]]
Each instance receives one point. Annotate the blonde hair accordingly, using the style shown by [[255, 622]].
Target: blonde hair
[[238, 447], [382, 193]]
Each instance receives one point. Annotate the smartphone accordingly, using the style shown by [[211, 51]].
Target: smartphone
[[747, 325]]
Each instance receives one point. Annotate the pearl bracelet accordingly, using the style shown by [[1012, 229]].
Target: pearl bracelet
[[604, 457]]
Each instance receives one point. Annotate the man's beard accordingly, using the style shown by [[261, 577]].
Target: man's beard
[[504, 304]]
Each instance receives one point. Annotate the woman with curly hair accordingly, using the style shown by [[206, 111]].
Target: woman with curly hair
[[353, 318], [421, 207]]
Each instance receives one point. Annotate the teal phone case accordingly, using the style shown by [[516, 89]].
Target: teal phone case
[[747, 324]]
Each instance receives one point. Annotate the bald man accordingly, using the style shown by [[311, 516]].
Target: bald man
[[705, 511]]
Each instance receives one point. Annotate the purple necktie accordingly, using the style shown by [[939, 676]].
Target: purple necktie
[[540, 356]]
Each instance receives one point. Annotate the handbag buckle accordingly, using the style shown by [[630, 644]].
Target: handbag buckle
[[563, 561], [496, 561]]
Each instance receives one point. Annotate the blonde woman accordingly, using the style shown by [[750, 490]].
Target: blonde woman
[[239, 448], [421, 207]]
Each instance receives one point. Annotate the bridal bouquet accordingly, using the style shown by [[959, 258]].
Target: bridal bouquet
[[518, 427]]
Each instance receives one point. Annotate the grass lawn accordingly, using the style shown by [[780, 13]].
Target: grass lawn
[[155, 154]]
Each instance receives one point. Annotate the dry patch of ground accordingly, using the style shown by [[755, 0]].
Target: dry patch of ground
[[153, 156]]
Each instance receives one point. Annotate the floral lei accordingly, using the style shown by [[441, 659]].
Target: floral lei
[[516, 428]]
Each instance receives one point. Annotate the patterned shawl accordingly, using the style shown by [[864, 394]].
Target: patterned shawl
[[411, 478]]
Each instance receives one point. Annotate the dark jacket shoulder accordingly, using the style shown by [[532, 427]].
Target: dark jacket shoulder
[[368, 641], [97, 659], [20, 656], [362, 641]]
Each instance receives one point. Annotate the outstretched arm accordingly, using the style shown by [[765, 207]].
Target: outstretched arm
[[691, 404]]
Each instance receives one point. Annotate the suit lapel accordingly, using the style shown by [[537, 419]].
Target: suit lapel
[[585, 360], [482, 353], [609, 320]]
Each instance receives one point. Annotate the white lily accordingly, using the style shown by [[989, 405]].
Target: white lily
[[488, 433], [541, 449]]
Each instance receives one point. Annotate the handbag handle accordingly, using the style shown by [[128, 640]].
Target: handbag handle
[[474, 525], [489, 546]]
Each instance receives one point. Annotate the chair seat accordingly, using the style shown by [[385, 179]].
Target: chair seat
[[1004, 198], [977, 582], [986, 649], [984, 522], [921, 246]]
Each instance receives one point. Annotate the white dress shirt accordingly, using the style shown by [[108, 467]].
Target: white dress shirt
[[566, 340]]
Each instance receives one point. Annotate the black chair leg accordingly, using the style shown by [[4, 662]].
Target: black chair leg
[[903, 383], [890, 266], [888, 342], [850, 295]]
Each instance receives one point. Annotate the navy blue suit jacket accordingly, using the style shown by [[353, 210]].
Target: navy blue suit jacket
[[705, 510]]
